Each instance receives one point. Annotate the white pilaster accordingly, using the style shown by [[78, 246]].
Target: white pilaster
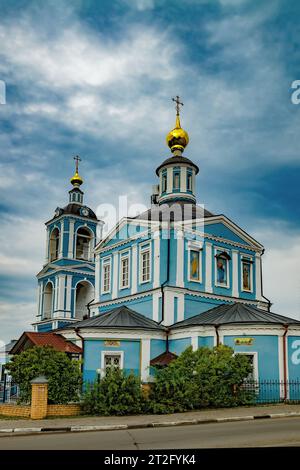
[[180, 260], [55, 295], [115, 275], [183, 179], [168, 308], [71, 239], [145, 359], [47, 247], [235, 273], [68, 295], [134, 270], [194, 341], [208, 267], [61, 239], [40, 298], [156, 271], [155, 306], [180, 307], [61, 292], [169, 179], [97, 278], [258, 276]]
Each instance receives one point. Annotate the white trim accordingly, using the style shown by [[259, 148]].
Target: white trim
[[258, 282], [111, 353], [68, 296], [180, 307], [134, 270], [183, 177], [180, 259], [97, 277], [169, 308], [155, 305], [61, 291], [194, 341], [115, 275], [113, 334], [250, 258], [105, 262], [169, 179], [195, 246], [124, 255], [144, 248], [47, 245], [224, 250], [255, 362], [61, 240], [208, 267], [71, 239], [156, 260], [145, 359], [235, 273]]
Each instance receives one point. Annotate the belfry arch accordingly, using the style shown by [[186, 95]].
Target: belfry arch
[[84, 293]]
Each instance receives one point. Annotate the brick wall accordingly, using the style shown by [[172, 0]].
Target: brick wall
[[9, 409], [22, 411]]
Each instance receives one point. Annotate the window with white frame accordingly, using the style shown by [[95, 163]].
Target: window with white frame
[[253, 360], [106, 274], [124, 271], [247, 274], [145, 263], [189, 181], [176, 180], [222, 259], [112, 360], [195, 262], [164, 183]]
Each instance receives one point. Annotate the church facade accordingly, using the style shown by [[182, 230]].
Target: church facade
[[174, 276]]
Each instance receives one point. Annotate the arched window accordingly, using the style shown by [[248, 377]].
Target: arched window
[[54, 244], [84, 244], [48, 301], [84, 295]]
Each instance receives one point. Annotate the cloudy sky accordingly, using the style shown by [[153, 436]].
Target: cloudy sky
[[96, 77]]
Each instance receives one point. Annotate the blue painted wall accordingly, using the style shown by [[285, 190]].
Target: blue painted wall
[[206, 341], [92, 357], [177, 346]]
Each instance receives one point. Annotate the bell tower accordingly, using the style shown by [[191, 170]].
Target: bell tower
[[67, 281]]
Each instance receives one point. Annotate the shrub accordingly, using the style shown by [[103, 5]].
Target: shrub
[[114, 394], [63, 373], [198, 379]]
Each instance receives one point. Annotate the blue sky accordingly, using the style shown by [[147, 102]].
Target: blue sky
[[95, 78]]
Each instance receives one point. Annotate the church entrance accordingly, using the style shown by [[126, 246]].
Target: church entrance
[[84, 295]]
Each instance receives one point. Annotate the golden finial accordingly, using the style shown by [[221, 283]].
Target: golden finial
[[76, 180], [178, 138]]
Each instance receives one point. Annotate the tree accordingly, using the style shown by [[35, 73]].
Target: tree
[[115, 394], [63, 373], [203, 378]]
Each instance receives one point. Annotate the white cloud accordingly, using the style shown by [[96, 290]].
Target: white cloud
[[23, 315]]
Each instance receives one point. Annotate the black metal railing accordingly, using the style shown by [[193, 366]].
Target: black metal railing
[[273, 391]]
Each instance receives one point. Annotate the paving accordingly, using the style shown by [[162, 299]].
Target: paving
[[103, 423]]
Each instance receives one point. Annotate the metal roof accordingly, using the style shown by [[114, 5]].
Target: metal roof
[[33, 338], [120, 317], [177, 159], [175, 211], [236, 313]]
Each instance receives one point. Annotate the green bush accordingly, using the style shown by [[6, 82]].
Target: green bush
[[199, 379], [63, 374], [114, 394]]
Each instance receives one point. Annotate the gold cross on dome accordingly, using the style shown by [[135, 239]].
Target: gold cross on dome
[[77, 160], [178, 103]]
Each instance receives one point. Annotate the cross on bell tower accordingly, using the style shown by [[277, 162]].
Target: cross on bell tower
[[178, 103]]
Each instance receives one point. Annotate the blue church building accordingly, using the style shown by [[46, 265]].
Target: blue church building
[[172, 277]]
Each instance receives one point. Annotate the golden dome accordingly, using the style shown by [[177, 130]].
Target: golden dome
[[76, 180], [178, 138]]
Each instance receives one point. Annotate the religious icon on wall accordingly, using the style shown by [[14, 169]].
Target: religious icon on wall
[[194, 265], [221, 270], [246, 275]]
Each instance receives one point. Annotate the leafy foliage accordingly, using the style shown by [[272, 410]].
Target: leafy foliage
[[114, 394], [63, 374], [203, 378]]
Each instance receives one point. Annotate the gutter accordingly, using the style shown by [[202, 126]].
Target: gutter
[[217, 334], [261, 284], [88, 307], [82, 346], [286, 327]]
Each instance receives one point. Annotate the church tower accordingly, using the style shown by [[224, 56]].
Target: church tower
[[66, 282]]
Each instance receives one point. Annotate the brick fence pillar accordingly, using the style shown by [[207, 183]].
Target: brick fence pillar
[[39, 398]]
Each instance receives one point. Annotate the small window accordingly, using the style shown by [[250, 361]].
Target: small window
[[176, 181], [106, 277], [145, 264], [83, 244], [246, 275], [189, 182], [111, 360], [195, 266], [124, 272], [164, 183]]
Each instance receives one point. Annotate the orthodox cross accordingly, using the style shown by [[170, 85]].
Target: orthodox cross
[[77, 160], [178, 103]]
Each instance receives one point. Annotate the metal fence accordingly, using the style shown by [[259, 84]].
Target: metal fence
[[273, 391], [9, 392]]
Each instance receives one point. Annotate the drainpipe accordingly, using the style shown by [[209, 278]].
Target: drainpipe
[[88, 308], [286, 327], [217, 334], [261, 283], [82, 346], [166, 280]]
